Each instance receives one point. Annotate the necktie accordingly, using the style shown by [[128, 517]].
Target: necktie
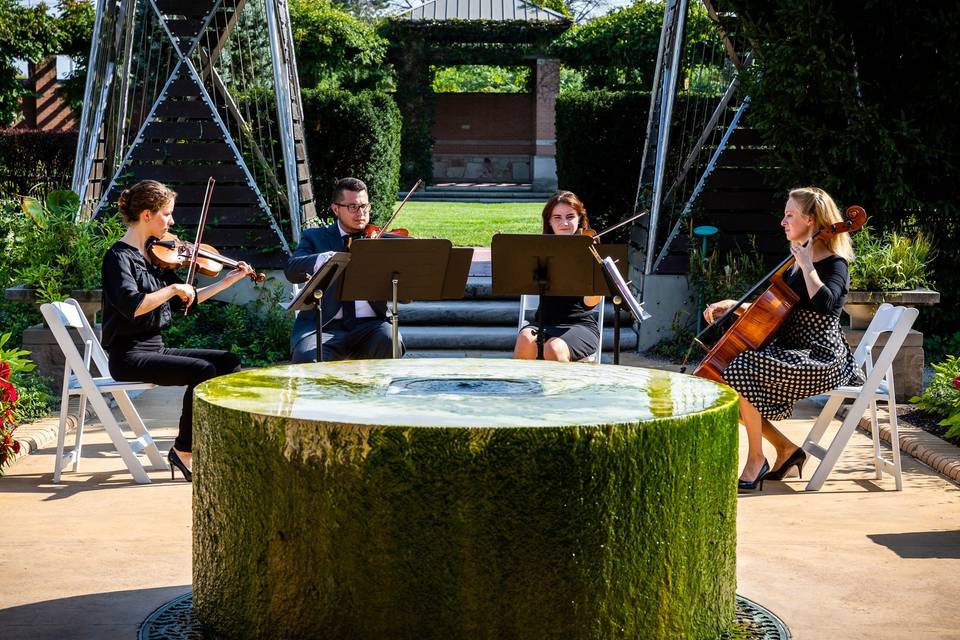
[[349, 307]]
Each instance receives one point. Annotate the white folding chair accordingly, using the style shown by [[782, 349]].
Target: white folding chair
[[878, 386], [530, 303], [78, 380]]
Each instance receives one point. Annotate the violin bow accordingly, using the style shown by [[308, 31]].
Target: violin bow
[[620, 224], [192, 265], [383, 229]]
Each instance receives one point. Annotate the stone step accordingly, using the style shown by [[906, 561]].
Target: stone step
[[486, 338], [478, 312]]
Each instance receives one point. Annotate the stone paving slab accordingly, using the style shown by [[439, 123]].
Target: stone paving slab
[[93, 556]]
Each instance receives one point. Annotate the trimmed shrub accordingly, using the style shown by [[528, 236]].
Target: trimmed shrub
[[599, 146], [32, 161], [354, 135]]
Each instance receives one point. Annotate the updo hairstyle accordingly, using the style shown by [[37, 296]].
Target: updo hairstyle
[[146, 195]]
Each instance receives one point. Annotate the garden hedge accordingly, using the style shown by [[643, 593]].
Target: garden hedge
[[354, 135], [600, 137], [35, 162]]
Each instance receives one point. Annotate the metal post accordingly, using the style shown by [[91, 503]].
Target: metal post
[[663, 143], [281, 77], [395, 319]]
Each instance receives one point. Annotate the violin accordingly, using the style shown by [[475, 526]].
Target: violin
[[372, 231], [170, 252], [756, 326]]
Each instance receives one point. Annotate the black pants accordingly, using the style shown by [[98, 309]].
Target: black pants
[[152, 362], [367, 339]]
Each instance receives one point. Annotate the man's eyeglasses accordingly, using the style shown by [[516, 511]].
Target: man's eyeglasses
[[353, 208]]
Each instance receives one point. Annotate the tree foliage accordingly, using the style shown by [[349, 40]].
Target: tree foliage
[[474, 78], [619, 50], [335, 49]]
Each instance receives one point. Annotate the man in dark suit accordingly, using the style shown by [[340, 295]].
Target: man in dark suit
[[351, 330]]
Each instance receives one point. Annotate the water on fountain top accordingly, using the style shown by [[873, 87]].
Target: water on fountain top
[[464, 392]]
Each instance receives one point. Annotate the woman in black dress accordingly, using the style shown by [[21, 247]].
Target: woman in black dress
[[809, 355], [570, 323], [138, 303]]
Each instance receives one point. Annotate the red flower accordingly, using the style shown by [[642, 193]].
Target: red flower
[[16, 446], [956, 383], [9, 392], [5, 371]]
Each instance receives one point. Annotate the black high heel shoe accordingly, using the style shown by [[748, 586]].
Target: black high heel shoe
[[175, 461], [797, 459], [745, 485]]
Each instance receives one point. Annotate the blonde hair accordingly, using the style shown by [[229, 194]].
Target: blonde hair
[[146, 195], [817, 204]]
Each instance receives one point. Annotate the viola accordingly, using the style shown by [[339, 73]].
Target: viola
[[170, 252], [756, 326]]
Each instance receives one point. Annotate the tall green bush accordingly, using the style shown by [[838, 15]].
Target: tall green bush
[[358, 135]]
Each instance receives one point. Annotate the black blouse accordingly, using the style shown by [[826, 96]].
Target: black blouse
[[563, 310], [127, 278], [835, 274]]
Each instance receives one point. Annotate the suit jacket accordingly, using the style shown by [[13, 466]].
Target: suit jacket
[[299, 269]]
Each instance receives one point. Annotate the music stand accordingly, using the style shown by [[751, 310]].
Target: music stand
[[609, 276], [538, 264], [311, 295], [388, 269]]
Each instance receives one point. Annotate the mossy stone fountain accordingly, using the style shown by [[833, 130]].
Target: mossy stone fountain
[[464, 498]]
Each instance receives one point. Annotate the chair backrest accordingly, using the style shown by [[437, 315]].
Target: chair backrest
[[530, 303], [62, 316], [891, 319]]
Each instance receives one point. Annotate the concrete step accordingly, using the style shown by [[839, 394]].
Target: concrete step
[[477, 312], [486, 338]]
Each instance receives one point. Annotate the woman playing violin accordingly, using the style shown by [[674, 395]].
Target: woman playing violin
[[138, 301], [809, 355], [570, 324]]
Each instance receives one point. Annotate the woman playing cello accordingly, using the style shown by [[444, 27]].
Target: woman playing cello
[[809, 355], [137, 301]]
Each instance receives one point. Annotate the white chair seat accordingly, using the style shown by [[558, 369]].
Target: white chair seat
[[79, 380], [879, 385], [881, 393], [530, 303]]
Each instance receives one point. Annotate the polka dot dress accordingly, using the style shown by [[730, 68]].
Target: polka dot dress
[[808, 356]]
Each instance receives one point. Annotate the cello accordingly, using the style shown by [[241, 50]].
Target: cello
[[759, 323]]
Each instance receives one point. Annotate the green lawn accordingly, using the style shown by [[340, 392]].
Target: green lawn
[[469, 224]]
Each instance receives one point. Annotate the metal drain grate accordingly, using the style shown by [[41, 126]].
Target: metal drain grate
[[175, 621]]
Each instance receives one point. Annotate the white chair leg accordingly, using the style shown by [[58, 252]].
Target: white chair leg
[[823, 420], [838, 444], [136, 425], [875, 433], [62, 430], [894, 430], [78, 440], [112, 427]]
